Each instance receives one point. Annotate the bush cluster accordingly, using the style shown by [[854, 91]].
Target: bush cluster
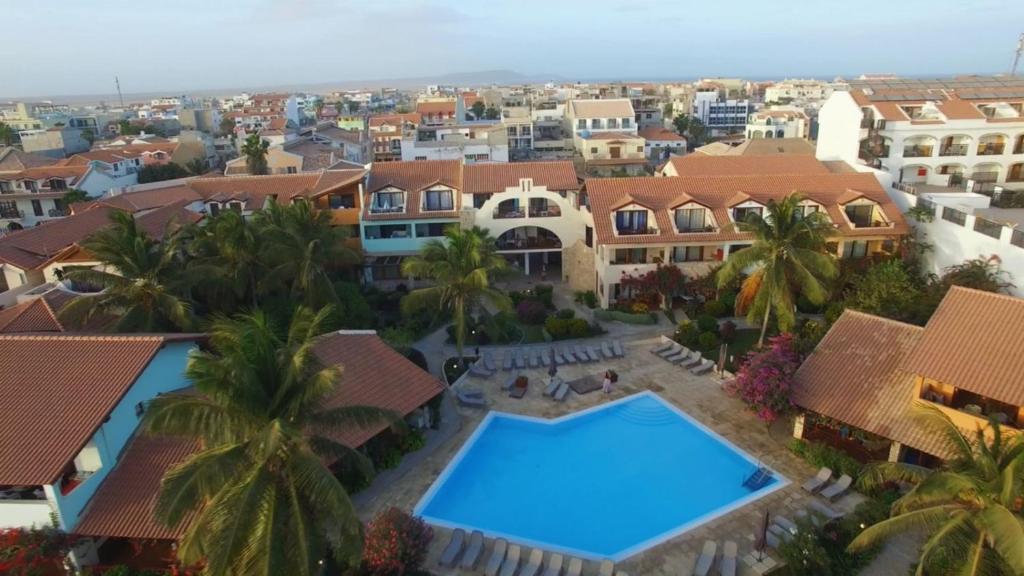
[[562, 328], [395, 544]]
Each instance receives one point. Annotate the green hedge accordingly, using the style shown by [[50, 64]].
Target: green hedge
[[822, 455], [627, 317]]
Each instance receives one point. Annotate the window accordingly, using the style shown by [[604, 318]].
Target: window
[[595, 124], [388, 202], [741, 214], [341, 201], [511, 130], [860, 215], [690, 219], [292, 170], [37, 207], [581, 124], [631, 221], [432, 230], [626, 122], [688, 254], [214, 208], [437, 200], [953, 215], [386, 231], [855, 249], [58, 184], [630, 256], [613, 123], [804, 211], [588, 237], [235, 206], [640, 149], [524, 130], [9, 209], [593, 150]]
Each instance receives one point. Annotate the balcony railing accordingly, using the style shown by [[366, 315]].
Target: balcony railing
[[991, 149], [57, 213], [500, 213], [917, 151], [635, 231], [548, 211], [953, 150], [387, 209], [11, 214]]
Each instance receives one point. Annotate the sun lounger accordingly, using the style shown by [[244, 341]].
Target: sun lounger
[[575, 567], [780, 533], [489, 362], [497, 557], [534, 358], [520, 359], [676, 349], [570, 358], [507, 360], [473, 551], [771, 539], [559, 358], [554, 567], [518, 391], [835, 491], [552, 386], [471, 393], [728, 565], [511, 381], [470, 400], [511, 563], [606, 349], [453, 550], [595, 356], [825, 510], [533, 565], [786, 524], [477, 369], [818, 482], [607, 568], [663, 347], [706, 559], [683, 354], [562, 392], [618, 349], [705, 366], [545, 357], [581, 354]]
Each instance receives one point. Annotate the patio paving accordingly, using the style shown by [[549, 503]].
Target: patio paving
[[702, 397]]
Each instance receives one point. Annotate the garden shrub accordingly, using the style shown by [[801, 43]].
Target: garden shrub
[[686, 333], [765, 379], [715, 308], [578, 328], [833, 311], [821, 455], [32, 551], [395, 544], [590, 299], [727, 331], [566, 314], [728, 299], [412, 441], [707, 340], [627, 317], [546, 294], [556, 327], [707, 323], [804, 304], [531, 312]]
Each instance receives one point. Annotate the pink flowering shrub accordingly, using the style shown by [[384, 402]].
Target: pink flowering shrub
[[396, 544], [765, 379]]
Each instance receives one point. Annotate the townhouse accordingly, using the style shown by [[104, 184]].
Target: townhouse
[[604, 132], [778, 122], [660, 143], [386, 133]]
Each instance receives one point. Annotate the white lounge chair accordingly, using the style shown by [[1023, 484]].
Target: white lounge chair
[[617, 348], [520, 359], [706, 365], [575, 567], [835, 491], [552, 386], [534, 358], [489, 362], [728, 565], [824, 510], [786, 524], [595, 355], [497, 557], [706, 559], [511, 381], [570, 358], [562, 392], [511, 564], [507, 360], [665, 346], [818, 482], [477, 369], [673, 351], [532, 567], [581, 354], [606, 349], [684, 354], [473, 551], [780, 534], [607, 568], [554, 567], [559, 357], [454, 548], [472, 400]]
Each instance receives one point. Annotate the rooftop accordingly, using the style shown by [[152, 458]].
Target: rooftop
[[611, 108]]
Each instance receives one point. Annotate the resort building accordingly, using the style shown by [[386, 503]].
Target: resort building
[[587, 118], [466, 142], [660, 143], [778, 122], [720, 115], [742, 165], [859, 387], [964, 133], [32, 188], [798, 91]]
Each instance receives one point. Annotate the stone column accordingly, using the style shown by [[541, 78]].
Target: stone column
[[895, 449], [798, 426]]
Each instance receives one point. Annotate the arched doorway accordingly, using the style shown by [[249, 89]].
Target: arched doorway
[[534, 250]]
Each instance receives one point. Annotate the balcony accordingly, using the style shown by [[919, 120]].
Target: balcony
[[503, 213], [991, 148], [971, 404], [953, 150], [547, 211], [57, 213], [387, 209], [635, 231], [919, 151], [12, 214]]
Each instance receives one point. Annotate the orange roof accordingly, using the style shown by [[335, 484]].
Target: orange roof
[[660, 135], [166, 219], [124, 502], [974, 342], [412, 177], [14, 160], [36, 315], [443, 108], [395, 119], [720, 192], [34, 247], [58, 389], [373, 375], [746, 165], [956, 109], [495, 177]]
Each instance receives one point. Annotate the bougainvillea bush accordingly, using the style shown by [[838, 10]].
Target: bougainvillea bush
[[27, 552], [396, 544], [766, 378]]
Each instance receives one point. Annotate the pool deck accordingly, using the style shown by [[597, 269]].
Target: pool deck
[[702, 397]]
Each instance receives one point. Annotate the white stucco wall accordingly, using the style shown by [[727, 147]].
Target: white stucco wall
[[839, 129]]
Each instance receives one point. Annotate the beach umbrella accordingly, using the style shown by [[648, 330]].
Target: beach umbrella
[[762, 540], [553, 369]]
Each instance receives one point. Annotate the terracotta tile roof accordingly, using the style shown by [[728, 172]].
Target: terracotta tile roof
[[660, 135], [413, 177], [611, 136], [434, 108], [732, 165], [611, 108], [975, 341], [956, 109], [34, 247], [57, 391], [36, 315], [124, 502], [14, 160], [166, 219], [373, 375], [106, 155], [315, 156], [396, 119], [495, 177], [152, 198], [853, 376], [890, 111], [721, 192]]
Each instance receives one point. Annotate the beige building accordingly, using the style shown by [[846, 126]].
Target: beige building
[[606, 153]]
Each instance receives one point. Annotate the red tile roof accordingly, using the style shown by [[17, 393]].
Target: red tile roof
[[57, 391], [746, 165], [495, 177], [721, 192], [435, 108], [35, 247], [413, 177], [123, 504], [14, 160], [373, 375], [36, 315], [660, 135]]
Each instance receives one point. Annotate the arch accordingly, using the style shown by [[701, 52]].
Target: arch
[[986, 172], [13, 226], [1015, 173], [955, 145], [528, 237], [1018, 144], [768, 121], [780, 134], [920, 146], [757, 134], [769, 134], [992, 144]]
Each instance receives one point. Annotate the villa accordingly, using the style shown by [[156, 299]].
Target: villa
[[859, 386]]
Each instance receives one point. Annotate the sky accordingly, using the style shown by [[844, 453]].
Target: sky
[[54, 47]]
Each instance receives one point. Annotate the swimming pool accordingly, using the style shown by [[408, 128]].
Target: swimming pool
[[606, 482]]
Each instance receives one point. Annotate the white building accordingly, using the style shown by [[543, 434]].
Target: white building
[[778, 122], [466, 142], [720, 116], [585, 118], [798, 91]]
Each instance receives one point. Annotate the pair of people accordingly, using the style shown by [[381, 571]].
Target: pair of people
[[606, 384]]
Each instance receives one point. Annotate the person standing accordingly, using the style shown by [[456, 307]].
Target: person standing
[[606, 385]]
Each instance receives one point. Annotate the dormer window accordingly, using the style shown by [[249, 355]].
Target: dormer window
[[691, 218], [613, 123], [864, 215], [235, 205], [438, 200], [632, 222], [741, 213], [391, 201], [214, 208], [805, 210]]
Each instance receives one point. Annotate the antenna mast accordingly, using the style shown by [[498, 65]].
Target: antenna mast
[[1016, 55], [117, 82]]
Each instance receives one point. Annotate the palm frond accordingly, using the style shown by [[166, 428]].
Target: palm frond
[[876, 474], [927, 519]]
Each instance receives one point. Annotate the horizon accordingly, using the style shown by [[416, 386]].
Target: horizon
[[249, 44]]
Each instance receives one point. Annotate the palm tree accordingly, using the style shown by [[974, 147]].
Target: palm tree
[[461, 267], [264, 500], [970, 508], [255, 151], [142, 282], [197, 166], [226, 260], [7, 134], [301, 250], [789, 252]]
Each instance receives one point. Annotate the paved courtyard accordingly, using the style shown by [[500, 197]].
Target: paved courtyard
[[700, 396]]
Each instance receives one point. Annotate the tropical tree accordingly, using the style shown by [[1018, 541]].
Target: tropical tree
[[255, 151], [227, 126], [461, 267], [74, 196], [789, 255], [197, 166], [143, 287], [478, 108], [225, 261], [301, 250], [7, 134], [970, 509], [264, 500]]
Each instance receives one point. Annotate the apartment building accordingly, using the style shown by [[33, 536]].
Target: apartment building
[[438, 111], [605, 134], [798, 91], [518, 123], [959, 132], [778, 122], [386, 132], [469, 142], [718, 114], [660, 143]]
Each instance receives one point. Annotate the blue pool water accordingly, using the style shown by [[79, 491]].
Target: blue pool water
[[603, 483]]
